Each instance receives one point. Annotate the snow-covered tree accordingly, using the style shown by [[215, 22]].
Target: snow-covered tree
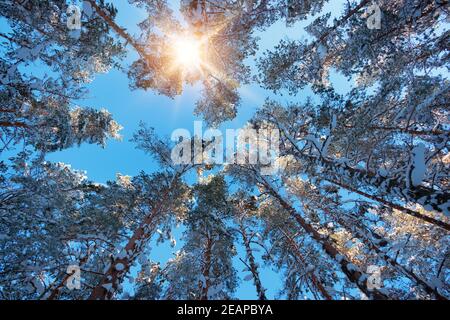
[[362, 181], [39, 108], [251, 175], [203, 268], [310, 138], [245, 211], [51, 219]]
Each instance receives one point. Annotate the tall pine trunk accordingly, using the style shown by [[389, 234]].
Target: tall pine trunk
[[350, 270], [252, 264], [121, 264], [298, 255], [206, 268], [361, 235]]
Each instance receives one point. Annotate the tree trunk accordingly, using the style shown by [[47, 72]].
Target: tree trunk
[[120, 266], [425, 196], [253, 266], [122, 33], [353, 274], [431, 132], [372, 246], [55, 292], [317, 283], [206, 268], [13, 124], [389, 204]]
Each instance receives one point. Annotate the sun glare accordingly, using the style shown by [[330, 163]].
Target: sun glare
[[187, 52]]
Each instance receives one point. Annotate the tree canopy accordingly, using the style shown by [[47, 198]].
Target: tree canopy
[[359, 208]]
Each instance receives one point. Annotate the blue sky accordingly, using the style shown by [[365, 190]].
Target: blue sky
[[128, 107], [111, 91]]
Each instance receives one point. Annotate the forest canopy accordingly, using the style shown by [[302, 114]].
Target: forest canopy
[[357, 208]]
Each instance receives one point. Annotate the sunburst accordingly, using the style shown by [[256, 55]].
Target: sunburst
[[196, 55], [187, 52]]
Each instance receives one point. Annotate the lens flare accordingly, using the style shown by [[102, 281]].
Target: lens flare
[[187, 52]]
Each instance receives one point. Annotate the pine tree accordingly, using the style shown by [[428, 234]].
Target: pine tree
[[39, 110], [251, 173], [362, 179], [203, 268], [163, 199], [50, 220], [247, 228], [315, 154]]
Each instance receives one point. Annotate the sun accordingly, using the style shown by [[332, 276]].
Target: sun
[[187, 52]]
